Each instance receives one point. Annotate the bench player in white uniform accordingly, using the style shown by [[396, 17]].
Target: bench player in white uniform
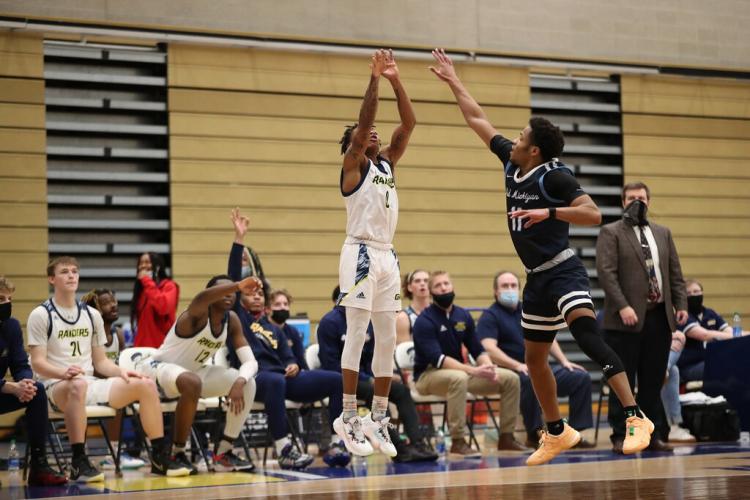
[[104, 301], [180, 367], [414, 288], [66, 340], [369, 275]]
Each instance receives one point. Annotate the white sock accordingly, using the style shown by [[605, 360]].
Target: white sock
[[349, 406], [379, 408], [280, 444]]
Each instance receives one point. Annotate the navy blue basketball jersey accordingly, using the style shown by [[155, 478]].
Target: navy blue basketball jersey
[[544, 240]]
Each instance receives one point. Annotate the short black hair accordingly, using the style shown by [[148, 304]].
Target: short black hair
[[216, 279], [547, 137], [346, 139], [335, 294]]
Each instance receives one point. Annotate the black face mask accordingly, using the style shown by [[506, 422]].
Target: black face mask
[[695, 304], [5, 310], [445, 300], [280, 316], [635, 213]]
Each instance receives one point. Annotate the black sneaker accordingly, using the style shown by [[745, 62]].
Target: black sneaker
[[290, 458], [81, 471], [164, 465], [41, 474], [425, 450], [229, 462], [182, 460]]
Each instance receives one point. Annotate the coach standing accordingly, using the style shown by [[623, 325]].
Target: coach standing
[[644, 300]]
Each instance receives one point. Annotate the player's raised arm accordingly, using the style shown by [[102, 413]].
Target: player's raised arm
[[197, 312], [473, 113], [354, 156], [400, 137]]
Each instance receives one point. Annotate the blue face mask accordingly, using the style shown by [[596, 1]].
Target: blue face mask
[[508, 298]]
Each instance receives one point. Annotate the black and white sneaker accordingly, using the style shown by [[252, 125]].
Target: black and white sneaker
[[182, 460], [164, 465], [82, 471], [229, 462], [290, 458]]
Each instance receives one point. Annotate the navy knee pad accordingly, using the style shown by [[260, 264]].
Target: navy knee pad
[[586, 333]]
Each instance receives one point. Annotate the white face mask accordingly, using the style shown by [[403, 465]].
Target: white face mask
[[246, 272], [508, 298]]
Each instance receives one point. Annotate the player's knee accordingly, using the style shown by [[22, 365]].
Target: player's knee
[[77, 389], [190, 385], [145, 386]]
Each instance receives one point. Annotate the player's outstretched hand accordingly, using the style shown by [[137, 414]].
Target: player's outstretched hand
[[379, 62], [391, 70], [248, 286], [443, 68]]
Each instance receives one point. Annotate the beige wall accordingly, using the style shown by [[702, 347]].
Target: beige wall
[[689, 140], [259, 130], [672, 32], [23, 171]]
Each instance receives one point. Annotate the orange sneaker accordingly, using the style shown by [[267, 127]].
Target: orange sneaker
[[550, 446], [637, 434]]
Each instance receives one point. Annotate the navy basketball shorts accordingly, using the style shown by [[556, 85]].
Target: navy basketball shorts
[[550, 295]]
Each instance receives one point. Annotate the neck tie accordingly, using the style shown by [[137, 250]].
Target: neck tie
[[654, 294]]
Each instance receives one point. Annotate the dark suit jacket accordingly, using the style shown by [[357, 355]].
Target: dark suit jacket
[[623, 275]]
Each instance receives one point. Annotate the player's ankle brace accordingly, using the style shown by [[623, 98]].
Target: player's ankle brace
[[586, 333]]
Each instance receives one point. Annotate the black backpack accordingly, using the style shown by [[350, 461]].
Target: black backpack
[[716, 422]]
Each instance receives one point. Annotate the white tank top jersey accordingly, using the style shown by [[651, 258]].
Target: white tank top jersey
[[372, 208], [72, 334], [113, 350], [192, 353]]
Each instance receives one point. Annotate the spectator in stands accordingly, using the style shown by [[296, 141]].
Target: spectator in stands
[[23, 391], [670, 392], [703, 325], [439, 334], [639, 270], [66, 341], [499, 329], [278, 312], [279, 376], [331, 335], [414, 288], [154, 303], [104, 301]]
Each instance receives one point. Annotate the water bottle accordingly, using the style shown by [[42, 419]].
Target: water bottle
[[14, 462], [745, 438], [736, 325], [440, 445]]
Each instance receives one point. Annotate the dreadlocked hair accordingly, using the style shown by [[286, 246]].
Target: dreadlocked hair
[[346, 139]]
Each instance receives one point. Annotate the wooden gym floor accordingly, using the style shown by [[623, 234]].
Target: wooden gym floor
[[706, 470]]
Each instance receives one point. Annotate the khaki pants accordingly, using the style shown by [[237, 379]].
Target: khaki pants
[[453, 386]]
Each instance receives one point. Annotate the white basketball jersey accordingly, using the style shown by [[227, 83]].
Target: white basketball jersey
[[372, 209], [113, 349], [193, 352], [70, 341]]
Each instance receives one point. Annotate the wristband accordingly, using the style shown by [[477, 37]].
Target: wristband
[[552, 212]]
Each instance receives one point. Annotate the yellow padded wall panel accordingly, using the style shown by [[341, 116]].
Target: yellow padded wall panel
[[689, 140]]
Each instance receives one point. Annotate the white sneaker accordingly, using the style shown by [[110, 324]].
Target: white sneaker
[[126, 462], [351, 432], [377, 433], [677, 433]]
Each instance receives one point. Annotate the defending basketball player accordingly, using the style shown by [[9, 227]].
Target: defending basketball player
[[369, 275], [543, 199]]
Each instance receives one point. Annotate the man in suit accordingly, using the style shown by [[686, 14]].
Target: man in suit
[[645, 299]]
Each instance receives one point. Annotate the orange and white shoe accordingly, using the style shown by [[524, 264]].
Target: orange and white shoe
[[637, 434], [550, 445]]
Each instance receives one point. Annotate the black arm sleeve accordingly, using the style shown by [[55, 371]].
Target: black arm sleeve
[[562, 185], [501, 147]]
